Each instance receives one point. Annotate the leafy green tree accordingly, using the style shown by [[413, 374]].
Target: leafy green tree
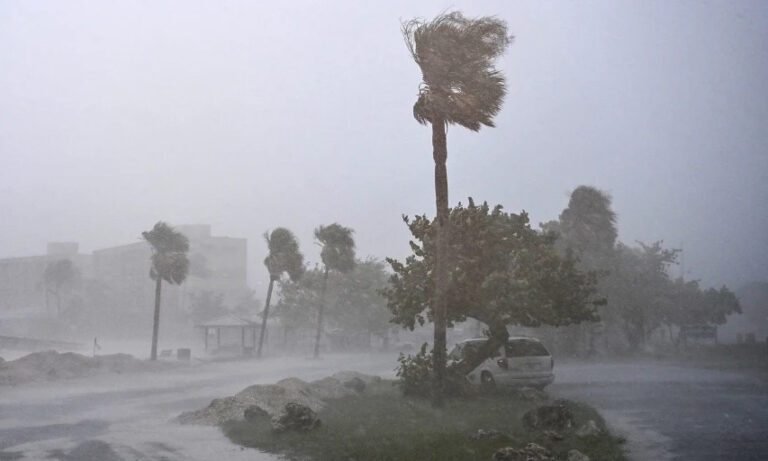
[[284, 256], [206, 305], [587, 228], [337, 254], [360, 306], [503, 273], [169, 263], [298, 300], [460, 86], [59, 275]]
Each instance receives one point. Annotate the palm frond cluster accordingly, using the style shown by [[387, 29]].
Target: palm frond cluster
[[338, 251], [284, 254], [169, 253], [456, 56]]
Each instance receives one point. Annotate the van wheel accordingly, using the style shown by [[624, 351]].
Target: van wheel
[[487, 383]]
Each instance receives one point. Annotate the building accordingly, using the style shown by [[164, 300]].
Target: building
[[217, 264]]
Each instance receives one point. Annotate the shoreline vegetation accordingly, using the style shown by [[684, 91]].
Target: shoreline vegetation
[[381, 424]]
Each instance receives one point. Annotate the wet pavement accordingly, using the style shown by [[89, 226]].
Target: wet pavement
[[675, 413], [665, 412]]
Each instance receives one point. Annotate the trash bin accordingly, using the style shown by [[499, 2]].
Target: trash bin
[[183, 354]]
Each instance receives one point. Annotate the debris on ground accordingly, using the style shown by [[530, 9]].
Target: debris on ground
[[531, 452], [273, 398], [488, 434], [555, 417]]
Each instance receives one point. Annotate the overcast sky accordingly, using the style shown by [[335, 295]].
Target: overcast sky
[[251, 115]]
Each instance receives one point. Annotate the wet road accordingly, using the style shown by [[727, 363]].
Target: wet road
[[665, 412], [675, 413], [131, 417]]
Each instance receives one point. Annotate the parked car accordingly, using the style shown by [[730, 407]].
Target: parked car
[[522, 362]]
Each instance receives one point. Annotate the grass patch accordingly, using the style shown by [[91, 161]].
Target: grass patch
[[380, 424]]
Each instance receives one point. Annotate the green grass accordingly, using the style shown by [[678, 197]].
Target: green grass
[[380, 425]]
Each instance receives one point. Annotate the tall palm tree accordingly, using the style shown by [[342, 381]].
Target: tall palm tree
[[284, 256], [169, 263], [460, 86], [338, 254]]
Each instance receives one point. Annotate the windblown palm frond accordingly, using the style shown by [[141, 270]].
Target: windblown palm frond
[[284, 254], [456, 56], [338, 251], [169, 253]]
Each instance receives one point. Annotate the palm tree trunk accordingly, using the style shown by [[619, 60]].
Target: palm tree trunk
[[439, 302], [156, 324], [272, 279], [320, 314]]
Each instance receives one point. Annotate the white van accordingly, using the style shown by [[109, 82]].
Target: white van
[[523, 362]]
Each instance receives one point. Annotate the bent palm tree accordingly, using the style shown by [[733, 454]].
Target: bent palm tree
[[338, 254], [169, 263], [460, 86], [284, 256]]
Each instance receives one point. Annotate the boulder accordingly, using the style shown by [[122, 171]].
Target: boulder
[[255, 413], [553, 435], [356, 384], [588, 429], [531, 452], [576, 455], [555, 417], [295, 417]]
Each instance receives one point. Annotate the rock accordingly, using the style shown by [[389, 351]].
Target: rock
[[531, 394], [553, 435], [486, 434], [531, 452], [588, 429], [356, 384], [549, 417], [576, 455], [295, 417], [255, 413]]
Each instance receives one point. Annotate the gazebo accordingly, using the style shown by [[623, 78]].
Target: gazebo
[[229, 332]]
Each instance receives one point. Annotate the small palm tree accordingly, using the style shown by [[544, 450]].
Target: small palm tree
[[57, 275], [169, 263], [460, 86], [338, 254], [284, 256]]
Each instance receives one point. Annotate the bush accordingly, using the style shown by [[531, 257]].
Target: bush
[[414, 374]]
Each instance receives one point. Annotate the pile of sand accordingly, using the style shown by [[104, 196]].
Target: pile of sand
[[272, 397], [52, 365]]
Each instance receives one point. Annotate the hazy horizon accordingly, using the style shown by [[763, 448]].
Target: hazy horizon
[[115, 116]]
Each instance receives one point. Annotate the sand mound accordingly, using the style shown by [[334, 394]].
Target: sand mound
[[272, 397], [52, 365]]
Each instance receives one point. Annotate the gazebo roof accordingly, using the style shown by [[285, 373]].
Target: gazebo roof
[[228, 320]]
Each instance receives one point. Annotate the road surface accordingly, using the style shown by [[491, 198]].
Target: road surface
[[665, 412], [675, 413]]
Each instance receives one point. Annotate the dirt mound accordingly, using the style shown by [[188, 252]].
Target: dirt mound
[[52, 365], [272, 398]]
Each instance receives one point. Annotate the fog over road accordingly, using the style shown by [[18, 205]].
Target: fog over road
[[666, 412]]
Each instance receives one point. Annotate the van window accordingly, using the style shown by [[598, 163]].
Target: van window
[[526, 348]]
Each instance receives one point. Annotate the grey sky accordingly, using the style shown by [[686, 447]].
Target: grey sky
[[249, 116]]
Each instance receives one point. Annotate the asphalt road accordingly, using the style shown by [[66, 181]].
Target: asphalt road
[[676, 413], [665, 412]]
